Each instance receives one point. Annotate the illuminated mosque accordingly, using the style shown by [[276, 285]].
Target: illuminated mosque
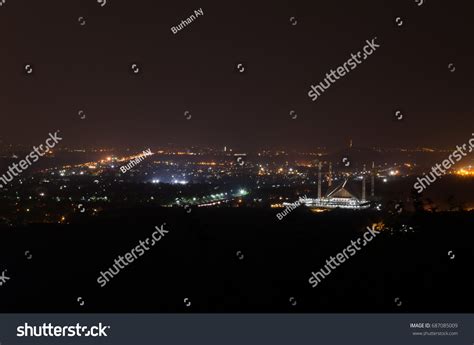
[[340, 197]]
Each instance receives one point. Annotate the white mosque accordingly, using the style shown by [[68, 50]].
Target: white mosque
[[339, 197]]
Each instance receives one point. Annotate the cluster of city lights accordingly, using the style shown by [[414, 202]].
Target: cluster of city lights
[[469, 171], [175, 181]]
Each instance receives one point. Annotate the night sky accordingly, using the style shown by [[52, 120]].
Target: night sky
[[88, 67]]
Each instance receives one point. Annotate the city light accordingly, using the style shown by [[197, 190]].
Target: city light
[[468, 171], [217, 171]]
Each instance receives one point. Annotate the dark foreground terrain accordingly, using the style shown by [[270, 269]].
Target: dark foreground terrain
[[241, 260]]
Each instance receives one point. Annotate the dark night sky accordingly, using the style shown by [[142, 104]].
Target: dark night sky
[[88, 67]]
